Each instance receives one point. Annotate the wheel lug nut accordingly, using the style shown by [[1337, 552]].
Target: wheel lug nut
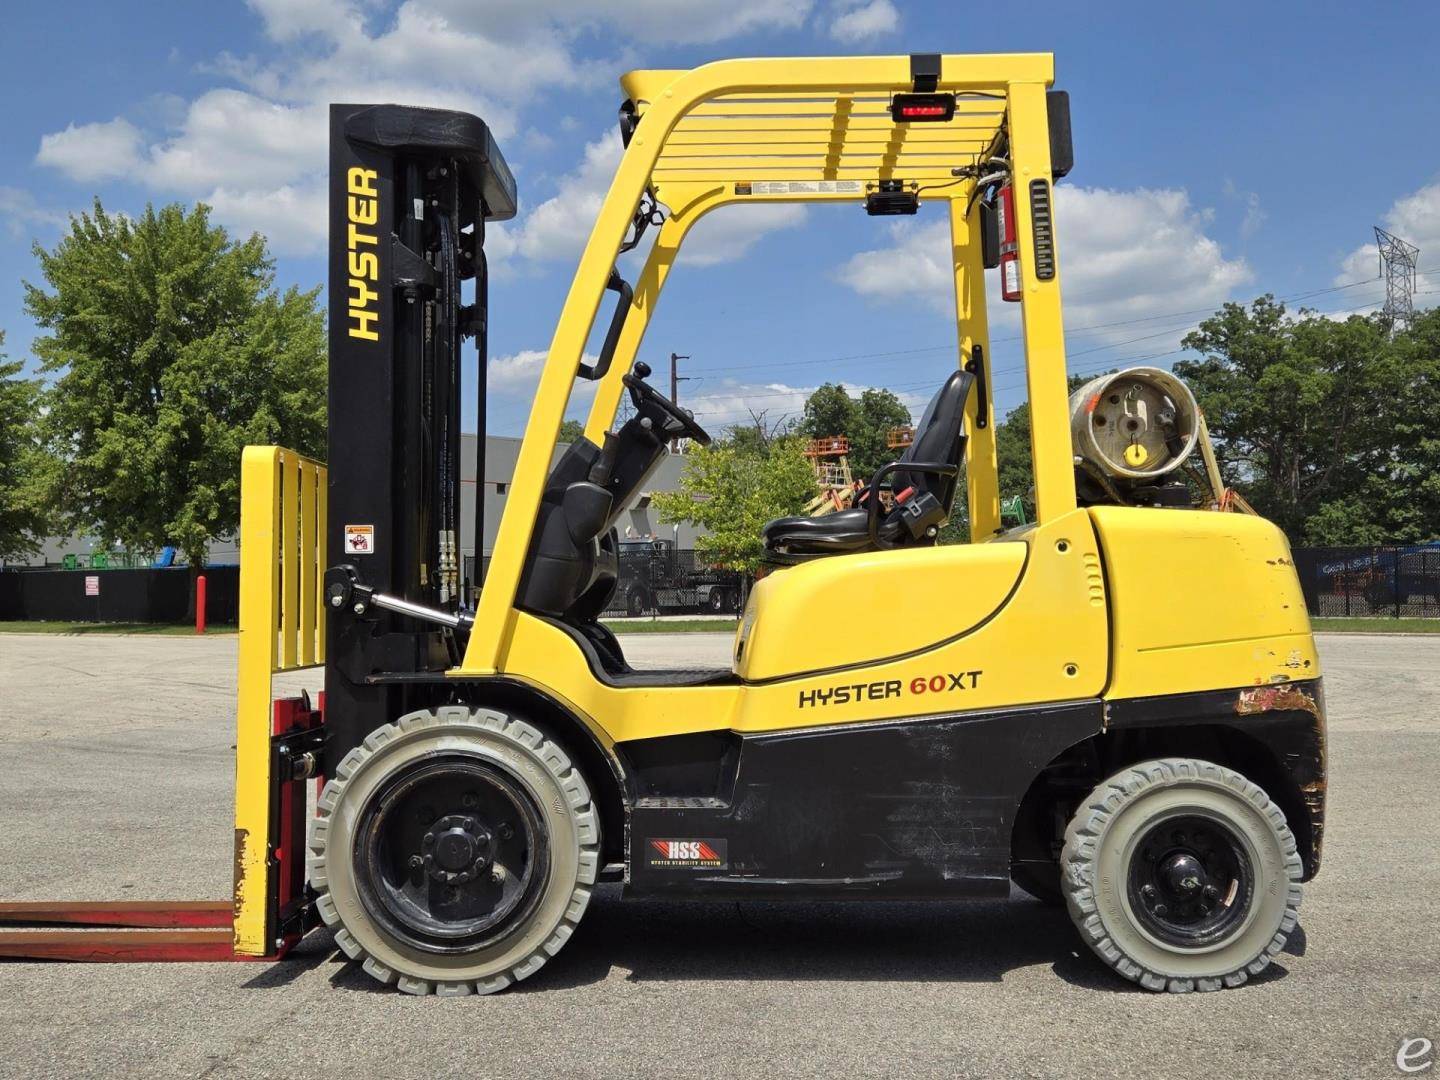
[[497, 873], [506, 832], [416, 862], [1161, 909], [1148, 892], [469, 800]]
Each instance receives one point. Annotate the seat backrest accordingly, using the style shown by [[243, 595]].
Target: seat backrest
[[938, 438]]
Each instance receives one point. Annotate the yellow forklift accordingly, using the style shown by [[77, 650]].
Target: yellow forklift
[[1117, 707]]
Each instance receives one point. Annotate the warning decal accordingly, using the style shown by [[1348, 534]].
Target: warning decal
[[801, 187], [359, 539]]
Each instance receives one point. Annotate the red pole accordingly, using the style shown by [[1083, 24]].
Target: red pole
[[200, 604]]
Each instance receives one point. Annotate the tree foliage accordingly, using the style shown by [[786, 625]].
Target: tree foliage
[[865, 421], [571, 430], [1326, 426], [171, 349], [23, 517], [731, 489]]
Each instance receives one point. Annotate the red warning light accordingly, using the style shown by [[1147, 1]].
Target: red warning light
[[922, 108]]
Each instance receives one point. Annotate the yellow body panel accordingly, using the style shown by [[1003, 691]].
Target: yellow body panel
[[803, 617], [1201, 601], [1047, 642]]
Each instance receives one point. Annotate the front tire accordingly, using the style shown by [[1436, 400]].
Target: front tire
[[1182, 875], [454, 851]]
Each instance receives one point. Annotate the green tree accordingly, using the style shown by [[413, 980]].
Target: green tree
[[1305, 413], [571, 430], [23, 517], [172, 349], [830, 410], [731, 491]]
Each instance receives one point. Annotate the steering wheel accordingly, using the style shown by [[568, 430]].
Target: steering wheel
[[677, 423]]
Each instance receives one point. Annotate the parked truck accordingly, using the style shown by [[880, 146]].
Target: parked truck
[[657, 576]]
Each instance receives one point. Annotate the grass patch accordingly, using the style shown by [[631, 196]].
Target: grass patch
[[153, 629], [673, 626], [1377, 626]]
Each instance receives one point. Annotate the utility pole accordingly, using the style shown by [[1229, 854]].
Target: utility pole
[[675, 380], [1397, 266]]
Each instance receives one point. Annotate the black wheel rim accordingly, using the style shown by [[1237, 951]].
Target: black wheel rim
[[450, 854], [1191, 880]]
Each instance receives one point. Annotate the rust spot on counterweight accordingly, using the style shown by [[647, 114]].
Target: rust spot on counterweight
[[1264, 699]]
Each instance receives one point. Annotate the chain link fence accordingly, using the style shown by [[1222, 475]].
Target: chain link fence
[[1384, 581], [1394, 581]]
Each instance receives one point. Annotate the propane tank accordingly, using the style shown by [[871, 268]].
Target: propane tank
[[1135, 425]]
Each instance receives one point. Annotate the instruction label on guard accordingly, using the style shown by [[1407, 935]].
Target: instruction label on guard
[[359, 539], [685, 854], [800, 187]]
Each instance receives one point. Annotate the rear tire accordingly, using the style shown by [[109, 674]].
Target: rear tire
[[1182, 875], [502, 875], [715, 601]]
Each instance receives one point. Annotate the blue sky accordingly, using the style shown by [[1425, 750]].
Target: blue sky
[[1220, 153]]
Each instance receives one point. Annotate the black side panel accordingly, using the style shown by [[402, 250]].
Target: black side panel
[[914, 808]]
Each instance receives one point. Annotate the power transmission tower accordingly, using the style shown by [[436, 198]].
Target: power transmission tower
[[1397, 266]]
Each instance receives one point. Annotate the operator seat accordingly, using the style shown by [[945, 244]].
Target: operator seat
[[923, 499]]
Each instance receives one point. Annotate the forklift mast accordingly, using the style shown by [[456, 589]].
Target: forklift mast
[[410, 192]]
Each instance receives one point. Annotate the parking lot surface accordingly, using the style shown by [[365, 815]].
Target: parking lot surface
[[116, 777]]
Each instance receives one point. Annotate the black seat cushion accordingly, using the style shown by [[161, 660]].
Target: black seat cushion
[[842, 531], [938, 438]]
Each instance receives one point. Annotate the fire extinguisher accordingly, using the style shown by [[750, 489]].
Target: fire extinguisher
[[1009, 248]]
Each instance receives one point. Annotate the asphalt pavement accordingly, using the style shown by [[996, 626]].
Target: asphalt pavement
[[116, 775]]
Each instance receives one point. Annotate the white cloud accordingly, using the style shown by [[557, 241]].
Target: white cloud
[[254, 145], [286, 20], [870, 20], [1255, 214], [518, 373], [559, 226], [20, 212], [239, 140], [672, 21], [1414, 218], [730, 232], [88, 152], [731, 401], [1125, 255], [293, 219]]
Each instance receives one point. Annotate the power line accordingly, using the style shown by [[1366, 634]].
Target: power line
[[1069, 332], [1093, 367]]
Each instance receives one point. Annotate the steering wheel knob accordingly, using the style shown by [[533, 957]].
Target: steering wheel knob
[[641, 369]]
